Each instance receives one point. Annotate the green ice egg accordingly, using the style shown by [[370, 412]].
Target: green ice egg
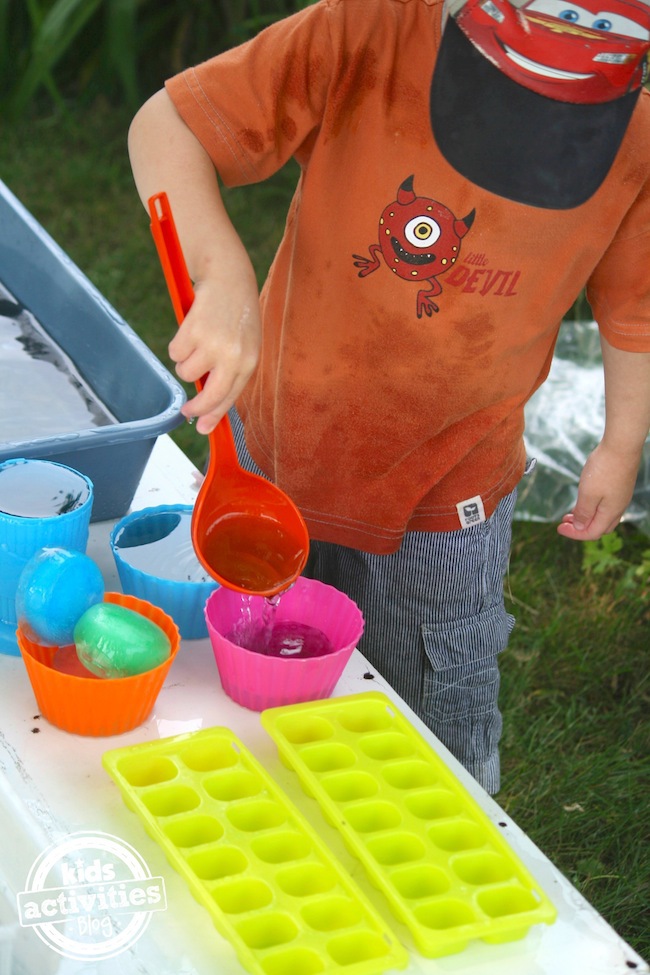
[[114, 641]]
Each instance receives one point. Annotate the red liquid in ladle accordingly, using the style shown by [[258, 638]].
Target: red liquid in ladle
[[253, 553]]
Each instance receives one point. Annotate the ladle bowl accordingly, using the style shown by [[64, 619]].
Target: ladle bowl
[[246, 532]]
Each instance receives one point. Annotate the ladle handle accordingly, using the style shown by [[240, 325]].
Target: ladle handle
[[172, 259], [181, 292]]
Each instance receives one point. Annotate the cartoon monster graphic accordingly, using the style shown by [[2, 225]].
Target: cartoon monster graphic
[[419, 239]]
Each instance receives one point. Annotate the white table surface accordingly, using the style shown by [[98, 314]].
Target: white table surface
[[53, 784]]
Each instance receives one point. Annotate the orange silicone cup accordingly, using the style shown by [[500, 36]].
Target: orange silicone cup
[[98, 707]]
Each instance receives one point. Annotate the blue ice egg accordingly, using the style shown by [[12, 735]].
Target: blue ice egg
[[55, 589]]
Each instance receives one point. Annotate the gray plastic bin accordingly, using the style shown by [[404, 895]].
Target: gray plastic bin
[[123, 374]]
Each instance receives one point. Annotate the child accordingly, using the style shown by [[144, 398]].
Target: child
[[443, 223]]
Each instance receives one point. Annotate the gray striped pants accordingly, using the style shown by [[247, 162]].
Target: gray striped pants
[[435, 623]]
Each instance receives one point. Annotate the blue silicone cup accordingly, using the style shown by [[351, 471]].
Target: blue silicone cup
[[22, 536], [183, 600]]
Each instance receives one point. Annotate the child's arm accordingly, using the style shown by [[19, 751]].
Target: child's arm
[[608, 478], [221, 333]]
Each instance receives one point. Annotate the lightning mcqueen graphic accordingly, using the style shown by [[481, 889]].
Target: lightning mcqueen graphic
[[566, 51]]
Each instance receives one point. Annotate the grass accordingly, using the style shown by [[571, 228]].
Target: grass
[[575, 694], [576, 740]]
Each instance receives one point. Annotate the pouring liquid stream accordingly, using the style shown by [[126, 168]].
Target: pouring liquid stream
[[276, 637]]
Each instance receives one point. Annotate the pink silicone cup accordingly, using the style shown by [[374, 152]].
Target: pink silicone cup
[[257, 681]]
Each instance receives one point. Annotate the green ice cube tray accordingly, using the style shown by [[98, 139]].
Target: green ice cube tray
[[249, 857], [447, 872]]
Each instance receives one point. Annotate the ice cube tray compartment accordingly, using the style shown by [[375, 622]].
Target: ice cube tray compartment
[[447, 872], [251, 859]]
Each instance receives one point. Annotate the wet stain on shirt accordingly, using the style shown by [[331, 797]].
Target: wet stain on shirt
[[252, 140], [359, 75]]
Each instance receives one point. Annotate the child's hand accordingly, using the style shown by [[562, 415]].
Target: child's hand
[[220, 336], [219, 339], [605, 490]]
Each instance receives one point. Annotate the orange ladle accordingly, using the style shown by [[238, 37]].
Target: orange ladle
[[246, 532]]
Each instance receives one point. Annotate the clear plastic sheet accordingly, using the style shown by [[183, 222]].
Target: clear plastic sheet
[[564, 422]]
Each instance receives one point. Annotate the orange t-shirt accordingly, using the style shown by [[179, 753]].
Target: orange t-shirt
[[408, 315]]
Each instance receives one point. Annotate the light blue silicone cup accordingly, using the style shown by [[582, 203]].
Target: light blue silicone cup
[[155, 561], [22, 535]]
